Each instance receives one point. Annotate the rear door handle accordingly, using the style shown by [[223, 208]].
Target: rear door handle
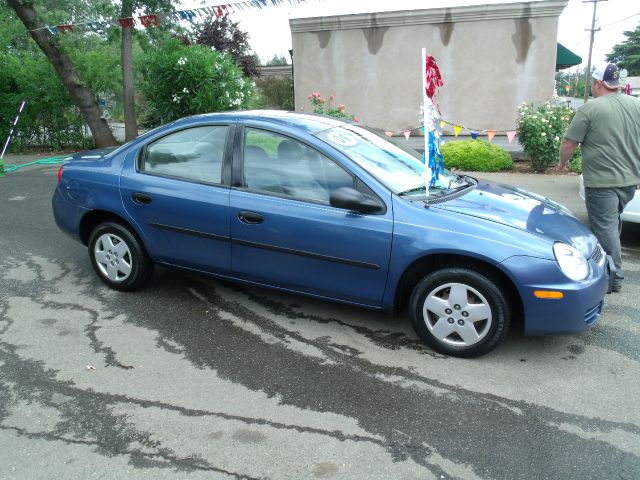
[[141, 198], [250, 218]]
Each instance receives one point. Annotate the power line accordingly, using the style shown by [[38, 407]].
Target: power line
[[621, 20]]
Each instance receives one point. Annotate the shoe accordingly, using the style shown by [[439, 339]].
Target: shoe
[[616, 286]]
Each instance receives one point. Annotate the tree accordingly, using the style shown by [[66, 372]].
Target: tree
[[126, 59], [277, 60], [627, 54], [83, 98], [224, 35]]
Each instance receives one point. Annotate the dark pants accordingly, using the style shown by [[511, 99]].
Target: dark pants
[[604, 206]]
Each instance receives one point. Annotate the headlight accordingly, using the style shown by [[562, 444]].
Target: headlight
[[571, 261]]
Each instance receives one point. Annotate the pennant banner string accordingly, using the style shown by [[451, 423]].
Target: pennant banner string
[[153, 19]]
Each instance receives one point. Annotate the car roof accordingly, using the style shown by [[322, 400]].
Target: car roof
[[309, 122]]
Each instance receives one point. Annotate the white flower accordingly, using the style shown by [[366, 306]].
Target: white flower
[[175, 98], [543, 134], [557, 138], [544, 120], [184, 90], [182, 61], [534, 117]]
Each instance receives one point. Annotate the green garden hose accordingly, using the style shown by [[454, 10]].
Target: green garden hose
[[43, 161]]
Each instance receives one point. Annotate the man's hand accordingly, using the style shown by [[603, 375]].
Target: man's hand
[[567, 149]]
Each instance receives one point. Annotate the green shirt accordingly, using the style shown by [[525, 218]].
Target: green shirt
[[608, 128]]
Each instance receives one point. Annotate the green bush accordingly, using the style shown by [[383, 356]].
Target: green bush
[[540, 132], [475, 156], [181, 80], [49, 119], [576, 164], [277, 92]]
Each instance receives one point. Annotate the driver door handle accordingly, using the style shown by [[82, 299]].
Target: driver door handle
[[250, 218], [141, 198]]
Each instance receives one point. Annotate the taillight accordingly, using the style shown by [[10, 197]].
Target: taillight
[[60, 173]]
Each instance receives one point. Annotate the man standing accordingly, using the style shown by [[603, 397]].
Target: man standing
[[608, 129]]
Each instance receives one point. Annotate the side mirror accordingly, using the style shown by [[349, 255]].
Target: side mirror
[[351, 199]]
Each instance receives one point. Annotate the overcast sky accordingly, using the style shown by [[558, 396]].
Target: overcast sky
[[269, 28]]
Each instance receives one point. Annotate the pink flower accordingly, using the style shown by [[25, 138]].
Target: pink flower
[[341, 107], [309, 97], [355, 119], [331, 97], [321, 100]]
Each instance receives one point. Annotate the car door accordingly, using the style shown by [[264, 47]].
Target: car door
[[285, 233], [173, 189]]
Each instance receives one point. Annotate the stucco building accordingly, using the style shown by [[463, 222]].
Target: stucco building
[[492, 58]]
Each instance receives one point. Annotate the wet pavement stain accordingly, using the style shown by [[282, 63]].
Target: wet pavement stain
[[394, 416]]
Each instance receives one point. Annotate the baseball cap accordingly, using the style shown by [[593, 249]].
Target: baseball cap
[[608, 74]]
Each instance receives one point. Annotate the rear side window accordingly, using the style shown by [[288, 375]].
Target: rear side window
[[191, 154]]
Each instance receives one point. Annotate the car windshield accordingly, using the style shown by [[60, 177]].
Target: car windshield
[[400, 169]]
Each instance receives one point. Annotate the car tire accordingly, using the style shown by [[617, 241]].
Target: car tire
[[118, 257], [459, 312]]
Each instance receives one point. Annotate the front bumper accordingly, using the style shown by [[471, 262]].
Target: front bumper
[[578, 309]]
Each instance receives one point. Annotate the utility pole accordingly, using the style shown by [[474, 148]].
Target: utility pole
[[593, 30]]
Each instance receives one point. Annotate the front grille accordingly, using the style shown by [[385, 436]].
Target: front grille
[[592, 315], [598, 254]]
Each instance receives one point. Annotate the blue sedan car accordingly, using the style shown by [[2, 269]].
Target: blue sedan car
[[321, 207]]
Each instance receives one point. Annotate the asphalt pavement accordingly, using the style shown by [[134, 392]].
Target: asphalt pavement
[[195, 378]]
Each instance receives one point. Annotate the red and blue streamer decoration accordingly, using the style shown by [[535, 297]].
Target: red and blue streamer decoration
[[433, 82]]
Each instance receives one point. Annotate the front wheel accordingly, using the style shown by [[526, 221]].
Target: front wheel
[[459, 312], [118, 257]]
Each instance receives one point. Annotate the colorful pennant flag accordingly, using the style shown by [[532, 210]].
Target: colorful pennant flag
[[442, 123], [126, 22], [407, 133], [149, 21], [491, 134], [456, 130], [511, 135], [389, 134], [65, 28], [474, 135]]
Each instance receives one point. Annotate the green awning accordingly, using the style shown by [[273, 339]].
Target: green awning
[[565, 58]]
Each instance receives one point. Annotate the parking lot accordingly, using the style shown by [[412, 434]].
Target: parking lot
[[195, 378]]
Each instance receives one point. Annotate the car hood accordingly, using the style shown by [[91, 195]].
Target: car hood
[[530, 212]]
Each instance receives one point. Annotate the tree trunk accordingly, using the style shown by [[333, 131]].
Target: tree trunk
[[70, 77], [126, 63]]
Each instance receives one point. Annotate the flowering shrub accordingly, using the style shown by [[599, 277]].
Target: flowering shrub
[[181, 80], [540, 132], [322, 107]]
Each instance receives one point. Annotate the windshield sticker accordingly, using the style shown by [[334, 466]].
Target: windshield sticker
[[343, 138]]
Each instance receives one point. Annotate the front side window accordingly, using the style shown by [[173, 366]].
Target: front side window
[[278, 164], [192, 154]]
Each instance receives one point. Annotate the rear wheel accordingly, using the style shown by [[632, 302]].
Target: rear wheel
[[460, 312], [118, 257]]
